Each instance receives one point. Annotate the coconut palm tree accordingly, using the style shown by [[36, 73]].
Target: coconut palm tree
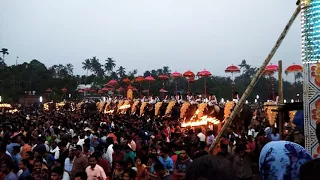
[[87, 66], [109, 65], [69, 68], [4, 52], [121, 72]]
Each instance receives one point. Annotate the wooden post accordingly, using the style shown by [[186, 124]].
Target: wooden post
[[254, 80], [280, 93]]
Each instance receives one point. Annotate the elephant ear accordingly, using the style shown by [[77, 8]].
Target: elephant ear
[[318, 131]]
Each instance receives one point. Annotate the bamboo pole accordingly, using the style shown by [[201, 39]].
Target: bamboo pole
[[280, 93], [255, 79]]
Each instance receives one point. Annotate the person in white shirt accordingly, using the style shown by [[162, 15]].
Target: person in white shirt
[[55, 150], [68, 162], [94, 171], [81, 140], [109, 152], [201, 136], [235, 97]]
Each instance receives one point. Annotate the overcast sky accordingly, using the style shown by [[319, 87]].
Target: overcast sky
[[149, 34]]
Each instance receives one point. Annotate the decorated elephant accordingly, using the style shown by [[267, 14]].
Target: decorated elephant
[[88, 107], [195, 111]]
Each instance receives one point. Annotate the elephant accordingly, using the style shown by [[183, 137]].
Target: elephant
[[88, 107], [243, 119]]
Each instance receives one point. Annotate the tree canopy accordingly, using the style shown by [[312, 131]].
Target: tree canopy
[[19, 79]]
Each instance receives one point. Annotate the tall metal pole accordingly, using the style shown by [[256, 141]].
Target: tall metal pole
[[255, 79]]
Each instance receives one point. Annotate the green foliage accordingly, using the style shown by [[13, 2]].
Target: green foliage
[[15, 80]]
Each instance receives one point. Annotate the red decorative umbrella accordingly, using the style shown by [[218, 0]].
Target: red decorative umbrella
[[271, 68], [294, 68], [87, 89], [163, 77], [149, 79], [176, 75], [100, 91], [269, 71], [204, 74], [163, 90], [106, 89], [113, 82], [126, 80], [188, 74], [139, 80], [130, 87], [80, 91], [232, 69], [92, 90], [49, 90], [120, 89], [107, 84]]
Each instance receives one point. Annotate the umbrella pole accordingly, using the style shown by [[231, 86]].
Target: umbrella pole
[[188, 87], [295, 84], [149, 89], [272, 86], [232, 84], [205, 87], [268, 86], [140, 91], [176, 86]]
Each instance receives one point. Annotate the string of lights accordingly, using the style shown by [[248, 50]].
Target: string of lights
[[310, 30]]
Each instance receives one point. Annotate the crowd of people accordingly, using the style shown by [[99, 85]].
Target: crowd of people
[[41, 145]]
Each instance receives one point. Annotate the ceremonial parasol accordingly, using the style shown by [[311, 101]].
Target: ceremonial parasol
[[139, 80], [87, 89], [272, 68], [163, 90], [126, 80], [149, 79], [107, 84], [120, 89], [80, 91], [176, 75], [100, 91], [188, 74], [92, 90], [269, 71], [112, 82], [130, 87], [204, 74], [294, 68], [106, 89], [163, 77], [232, 69]]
